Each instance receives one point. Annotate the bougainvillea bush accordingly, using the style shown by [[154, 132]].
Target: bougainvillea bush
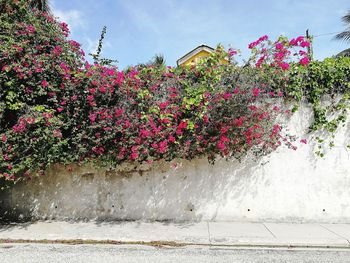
[[36, 66], [55, 107]]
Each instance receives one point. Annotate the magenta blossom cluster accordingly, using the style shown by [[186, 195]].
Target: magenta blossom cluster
[[280, 53], [61, 109]]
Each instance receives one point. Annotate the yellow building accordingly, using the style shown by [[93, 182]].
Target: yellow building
[[192, 57]]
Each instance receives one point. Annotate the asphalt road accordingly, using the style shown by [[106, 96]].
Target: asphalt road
[[28, 253]]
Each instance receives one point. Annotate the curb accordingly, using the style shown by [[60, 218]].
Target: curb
[[173, 244]]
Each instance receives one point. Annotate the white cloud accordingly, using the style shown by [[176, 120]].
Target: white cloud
[[91, 45], [74, 18]]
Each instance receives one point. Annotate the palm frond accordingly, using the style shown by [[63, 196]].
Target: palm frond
[[344, 53], [345, 36], [346, 18], [159, 60]]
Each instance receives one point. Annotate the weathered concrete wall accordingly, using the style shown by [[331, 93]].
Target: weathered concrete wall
[[288, 185]]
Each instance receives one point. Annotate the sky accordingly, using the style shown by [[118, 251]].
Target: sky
[[137, 30]]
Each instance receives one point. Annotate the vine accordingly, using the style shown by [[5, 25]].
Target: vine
[[57, 108]]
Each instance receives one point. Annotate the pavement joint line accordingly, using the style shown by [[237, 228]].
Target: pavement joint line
[[209, 232], [167, 244], [269, 230], [335, 233]]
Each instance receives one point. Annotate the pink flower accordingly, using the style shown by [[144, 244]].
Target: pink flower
[[221, 145], [166, 120], [92, 117], [110, 72], [57, 50], [255, 43], [256, 92], [154, 145], [31, 29], [293, 42], [253, 107], [236, 91], [207, 95], [182, 125], [60, 109], [300, 39], [227, 95], [20, 126], [98, 150], [44, 84], [144, 133], [4, 138], [163, 105], [304, 61], [239, 122], [232, 52], [279, 55], [304, 141], [276, 129], [30, 120], [74, 43], [64, 66], [171, 139], [134, 155], [260, 61], [120, 78], [127, 124], [276, 108], [263, 38], [305, 44], [64, 28], [102, 89], [205, 118], [118, 112], [252, 45], [163, 146], [279, 46], [57, 133], [284, 65]]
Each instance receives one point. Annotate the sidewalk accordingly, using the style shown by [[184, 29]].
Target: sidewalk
[[235, 234]]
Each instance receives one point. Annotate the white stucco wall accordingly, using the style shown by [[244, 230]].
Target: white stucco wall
[[287, 185]]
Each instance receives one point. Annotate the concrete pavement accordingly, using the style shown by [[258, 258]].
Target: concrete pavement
[[235, 234]]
